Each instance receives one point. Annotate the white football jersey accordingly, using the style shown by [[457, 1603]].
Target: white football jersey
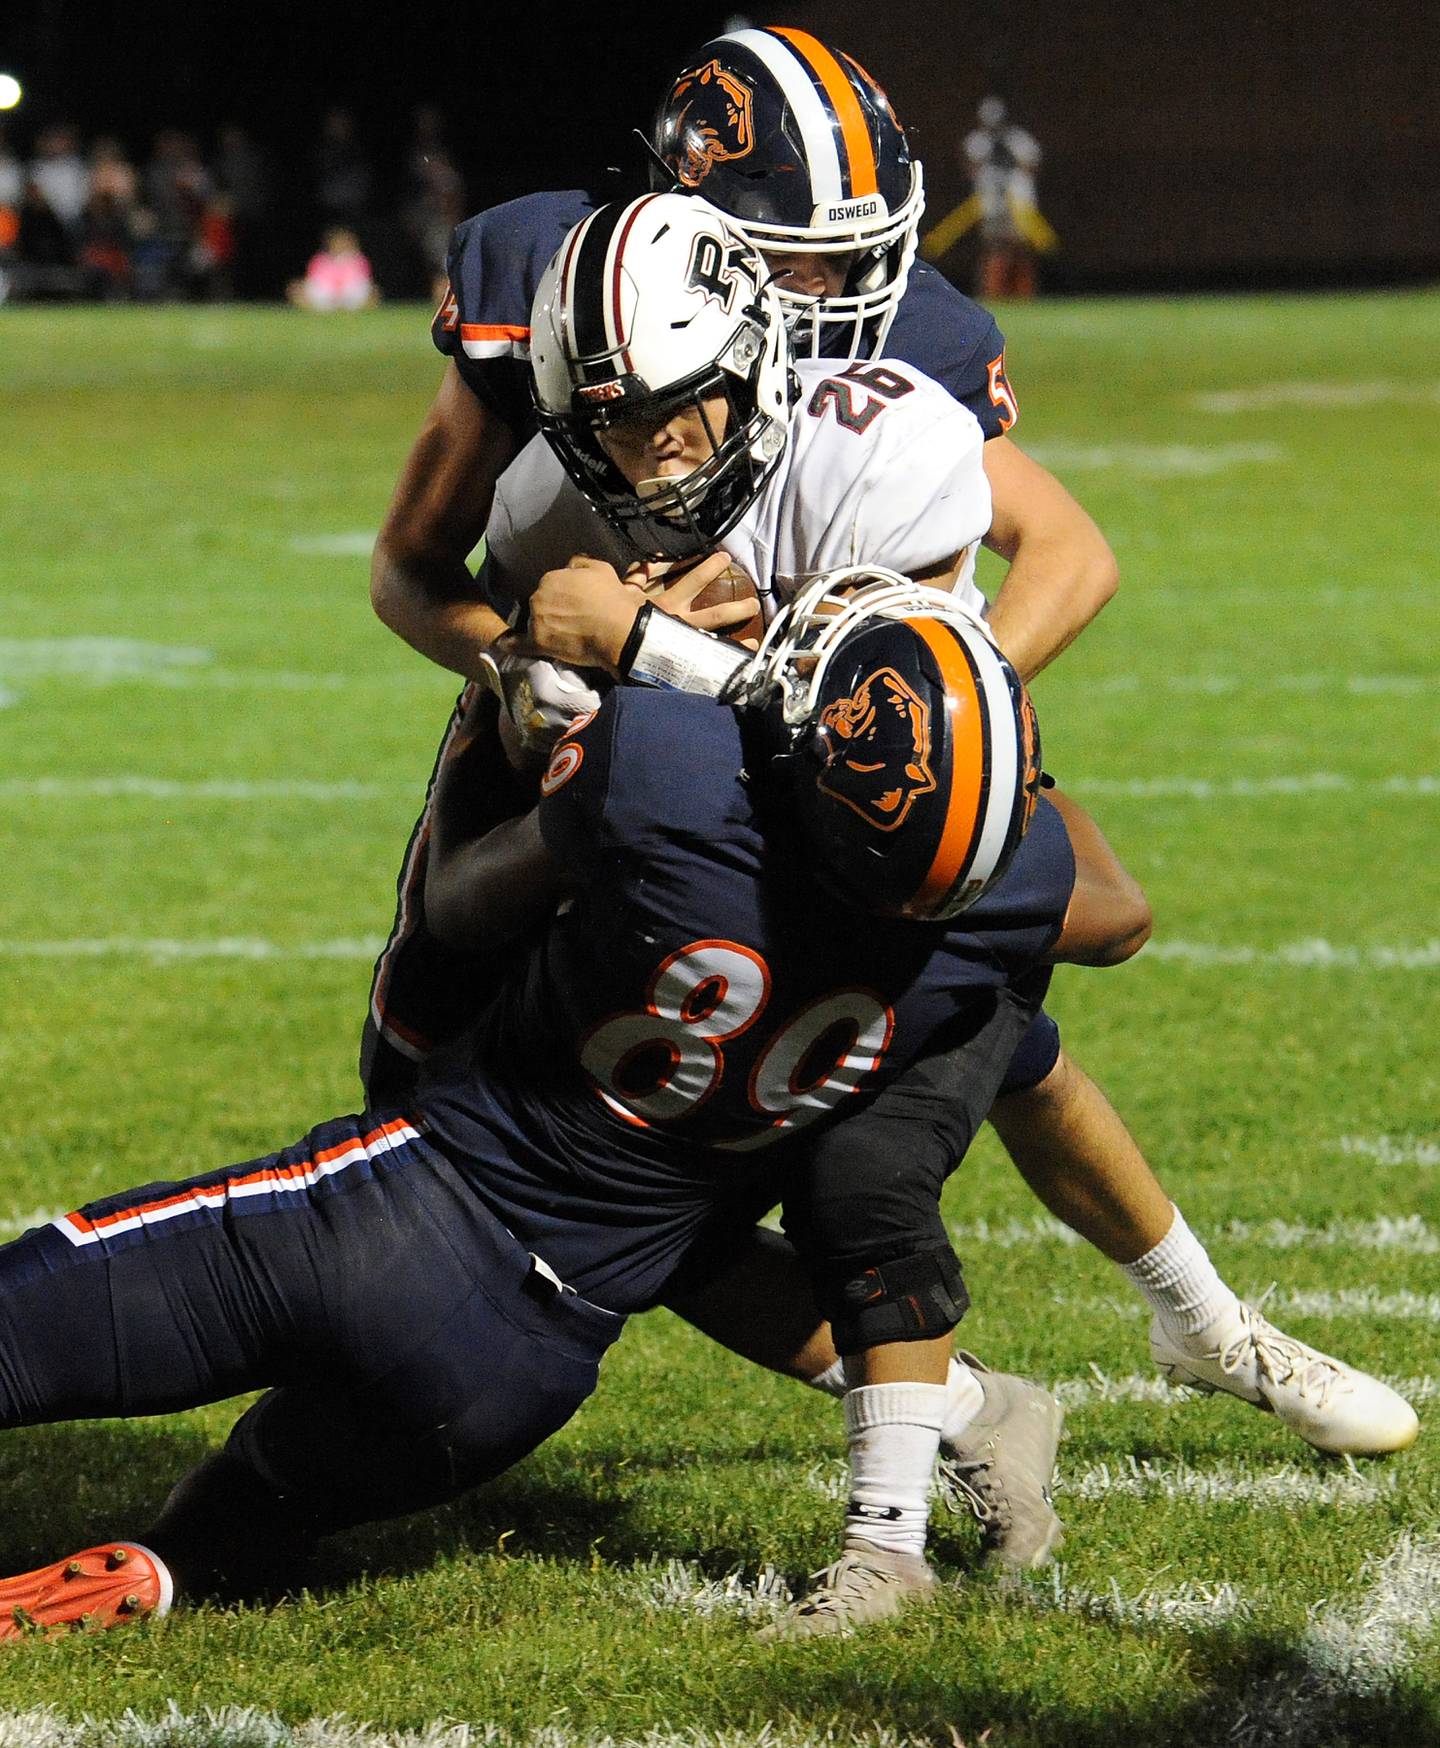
[[882, 466]]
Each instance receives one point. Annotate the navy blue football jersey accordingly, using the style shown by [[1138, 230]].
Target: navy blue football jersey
[[498, 256], [700, 1002]]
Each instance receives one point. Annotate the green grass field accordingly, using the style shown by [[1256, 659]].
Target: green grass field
[[210, 754]]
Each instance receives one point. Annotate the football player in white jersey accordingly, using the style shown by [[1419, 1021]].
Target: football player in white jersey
[[1070, 1145], [674, 424]]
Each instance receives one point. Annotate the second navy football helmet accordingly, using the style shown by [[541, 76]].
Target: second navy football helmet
[[799, 146], [905, 745]]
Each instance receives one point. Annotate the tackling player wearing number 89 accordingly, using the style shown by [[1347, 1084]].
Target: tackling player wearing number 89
[[427, 1294]]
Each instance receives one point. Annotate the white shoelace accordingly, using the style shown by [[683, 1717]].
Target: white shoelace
[[1281, 1358]]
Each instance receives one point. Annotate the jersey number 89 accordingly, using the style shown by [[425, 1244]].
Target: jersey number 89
[[665, 1062]]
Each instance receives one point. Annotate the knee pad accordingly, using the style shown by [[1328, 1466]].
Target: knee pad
[[912, 1298]]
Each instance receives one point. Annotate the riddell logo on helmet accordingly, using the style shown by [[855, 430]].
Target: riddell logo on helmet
[[713, 124], [851, 209], [879, 762]]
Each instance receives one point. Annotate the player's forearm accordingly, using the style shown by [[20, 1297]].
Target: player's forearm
[[483, 893], [435, 609], [1055, 586]]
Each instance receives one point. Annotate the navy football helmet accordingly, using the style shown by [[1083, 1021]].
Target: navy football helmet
[[905, 745], [650, 305], [799, 146]]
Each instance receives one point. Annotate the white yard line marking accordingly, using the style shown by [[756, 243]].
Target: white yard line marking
[[1216, 1484], [204, 789], [1217, 685], [1354, 1649], [250, 1727], [1225, 1484], [94, 658], [1393, 1149], [358, 543], [1228, 788], [1312, 955], [1405, 1232], [124, 661], [1150, 1387], [679, 1584], [1364, 1302], [1315, 394], [163, 952], [1187, 1607], [1159, 460]]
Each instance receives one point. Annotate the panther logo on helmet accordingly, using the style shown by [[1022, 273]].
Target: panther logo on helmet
[[714, 122], [878, 741]]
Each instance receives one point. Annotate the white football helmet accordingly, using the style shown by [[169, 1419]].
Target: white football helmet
[[650, 305]]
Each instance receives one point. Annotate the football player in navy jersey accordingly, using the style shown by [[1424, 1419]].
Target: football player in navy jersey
[[426, 1294], [801, 146]]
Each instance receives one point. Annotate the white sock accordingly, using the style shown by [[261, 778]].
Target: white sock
[[1179, 1280], [831, 1380], [894, 1433], [964, 1398]]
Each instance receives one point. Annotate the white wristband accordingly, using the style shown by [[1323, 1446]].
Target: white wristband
[[680, 657]]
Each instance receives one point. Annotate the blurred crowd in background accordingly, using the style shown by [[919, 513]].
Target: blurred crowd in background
[[218, 218]]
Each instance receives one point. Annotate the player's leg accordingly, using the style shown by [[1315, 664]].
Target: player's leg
[[753, 1295], [1076, 1154], [143, 1303], [506, 1365], [423, 993], [358, 1269]]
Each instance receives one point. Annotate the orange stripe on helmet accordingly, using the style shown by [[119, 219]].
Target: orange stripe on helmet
[[965, 716], [854, 132]]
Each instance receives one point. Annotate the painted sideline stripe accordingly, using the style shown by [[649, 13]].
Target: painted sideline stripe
[[166, 952], [203, 789], [1312, 955]]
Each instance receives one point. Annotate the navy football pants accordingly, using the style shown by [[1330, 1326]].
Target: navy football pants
[[409, 1346]]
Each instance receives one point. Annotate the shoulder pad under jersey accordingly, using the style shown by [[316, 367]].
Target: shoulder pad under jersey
[[495, 262]]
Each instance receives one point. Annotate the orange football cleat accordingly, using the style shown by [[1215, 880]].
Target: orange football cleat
[[101, 1587]]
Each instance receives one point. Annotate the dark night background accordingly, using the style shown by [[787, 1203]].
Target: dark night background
[[1225, 144]]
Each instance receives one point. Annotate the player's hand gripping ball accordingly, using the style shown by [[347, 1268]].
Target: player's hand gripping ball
[[690, 592]]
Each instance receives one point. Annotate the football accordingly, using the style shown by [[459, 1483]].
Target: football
[[731, 585]]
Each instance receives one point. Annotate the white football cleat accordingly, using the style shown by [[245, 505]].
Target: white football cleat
[[1331, 1405], [865, 1584]]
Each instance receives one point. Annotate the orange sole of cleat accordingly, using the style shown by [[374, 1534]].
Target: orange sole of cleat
[[101, 1587]]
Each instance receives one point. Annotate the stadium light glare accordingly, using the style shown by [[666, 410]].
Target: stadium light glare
[[10, 91]]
